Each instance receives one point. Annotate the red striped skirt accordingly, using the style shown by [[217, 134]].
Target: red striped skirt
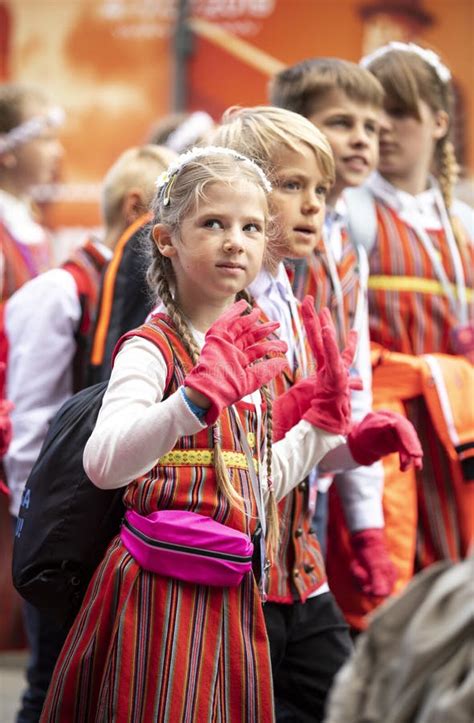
[[146, 648]]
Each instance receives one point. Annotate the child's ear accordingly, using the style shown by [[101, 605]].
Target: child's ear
[[163, 240], [133, 205], [441, 124]]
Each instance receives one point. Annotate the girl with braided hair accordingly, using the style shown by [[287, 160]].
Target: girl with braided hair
[[417, 212], [185, 428], [421, 314]]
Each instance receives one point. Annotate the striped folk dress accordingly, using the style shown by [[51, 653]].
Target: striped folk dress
[[298, 566], [314, 278], [146, 648], [409, 313]]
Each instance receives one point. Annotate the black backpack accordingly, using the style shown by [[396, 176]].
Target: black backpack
[[65, 522]]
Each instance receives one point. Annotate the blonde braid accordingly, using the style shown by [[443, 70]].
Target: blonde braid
[[448, 173], [448, 169], [273, 520]]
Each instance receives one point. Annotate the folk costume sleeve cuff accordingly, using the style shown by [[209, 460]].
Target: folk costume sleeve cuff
[[294, 456], [360, 488], [136, 426], [199, 412], [360, 491]]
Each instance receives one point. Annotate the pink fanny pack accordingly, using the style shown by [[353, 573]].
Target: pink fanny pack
[[187, 546]]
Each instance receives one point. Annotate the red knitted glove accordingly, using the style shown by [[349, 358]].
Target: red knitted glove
[[381, 433], [372, 569], [5, 426], [330, 406], [230, 365]]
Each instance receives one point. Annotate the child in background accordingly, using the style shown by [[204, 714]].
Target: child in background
[[421, 300], [154, 647], [30, 153], [309, 639], [345, 102]]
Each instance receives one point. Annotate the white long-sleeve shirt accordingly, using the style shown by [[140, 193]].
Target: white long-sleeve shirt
[[41, 321], [136, 426]]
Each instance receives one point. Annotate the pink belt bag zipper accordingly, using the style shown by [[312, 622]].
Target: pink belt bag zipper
[[187, 546]]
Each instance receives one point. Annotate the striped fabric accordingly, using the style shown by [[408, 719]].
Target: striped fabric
[[408, 310], [313, 278], [409, 313], [21, 262], [298, 568], [148, 648]]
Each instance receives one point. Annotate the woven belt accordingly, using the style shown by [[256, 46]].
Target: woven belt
[[413, 284], [202, 458]]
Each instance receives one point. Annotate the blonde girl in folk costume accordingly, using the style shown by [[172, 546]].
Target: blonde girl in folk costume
[[309, 638], [421, 302], [185, 429]]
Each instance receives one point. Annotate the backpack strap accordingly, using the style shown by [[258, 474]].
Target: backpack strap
[[85, 266], [153, 333], [361, 217]]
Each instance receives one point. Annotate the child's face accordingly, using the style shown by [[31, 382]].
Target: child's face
[[407, 143], [298, 201], [352, 130], [219, 248], [38, 160]]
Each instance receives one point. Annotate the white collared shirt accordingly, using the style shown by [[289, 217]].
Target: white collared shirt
[[41, 321], [274, 295], [420, 209]]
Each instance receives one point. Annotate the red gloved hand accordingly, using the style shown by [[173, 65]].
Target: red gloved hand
[[289, 408], [330, 406], [381, 433], [372, 568], [5, 426], [230, 365]]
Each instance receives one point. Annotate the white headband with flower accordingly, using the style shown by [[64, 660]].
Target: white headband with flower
[[429, 56], [31, 128], [164, 178]]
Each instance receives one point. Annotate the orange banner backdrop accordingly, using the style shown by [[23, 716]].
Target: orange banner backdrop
[[110, 64]]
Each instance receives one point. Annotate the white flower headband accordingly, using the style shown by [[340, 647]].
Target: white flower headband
[[429, 56], [31, 128], [165, 180]]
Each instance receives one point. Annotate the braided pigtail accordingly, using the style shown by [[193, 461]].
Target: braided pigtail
[[273, 520], [448, 169], [222, 474], [447, 174], [162, 272]]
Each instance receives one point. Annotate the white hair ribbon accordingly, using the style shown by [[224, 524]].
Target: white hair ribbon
[[429, 56]]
